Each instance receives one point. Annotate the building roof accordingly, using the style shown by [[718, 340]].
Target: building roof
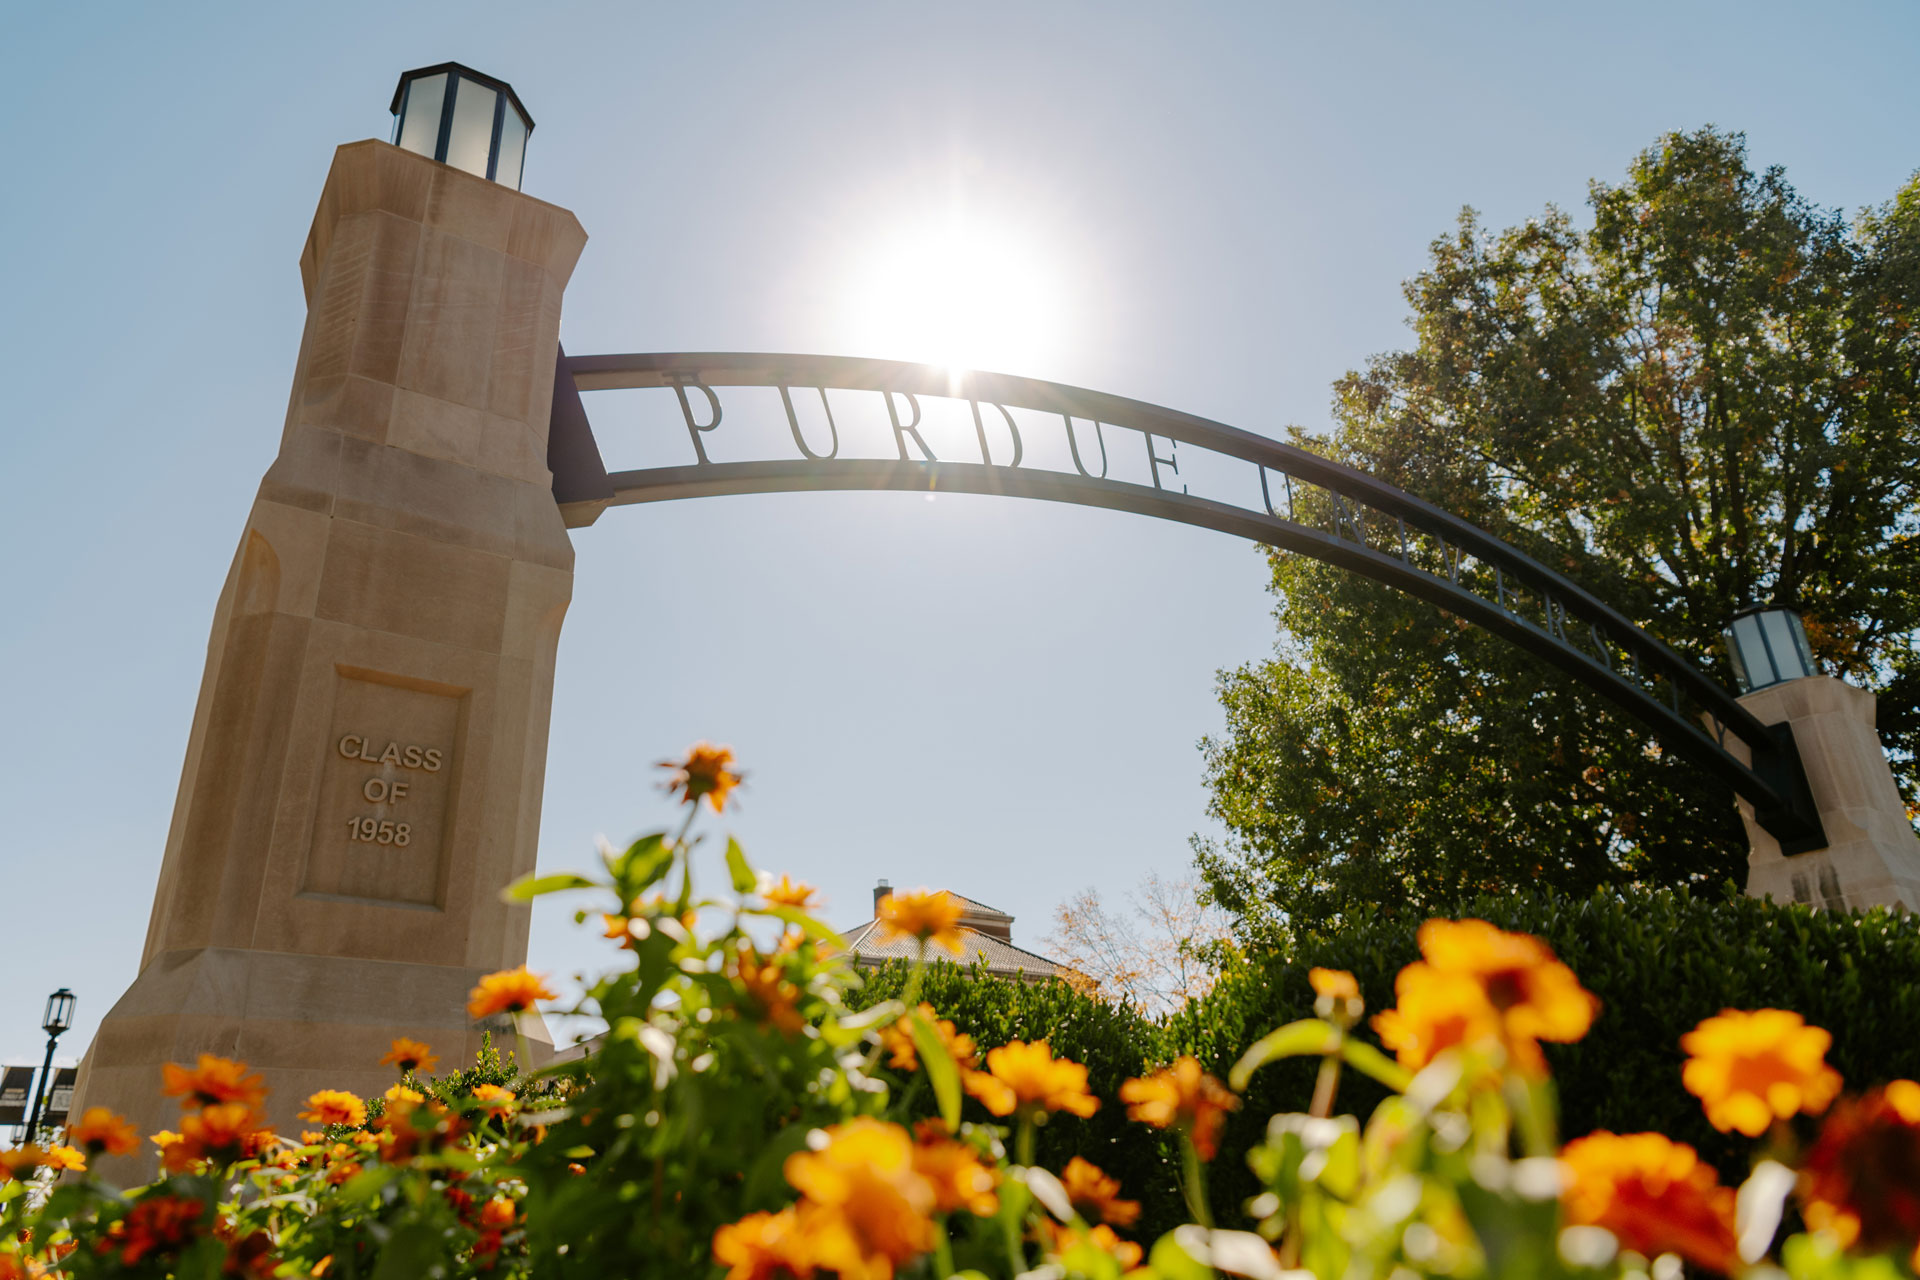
[[1001, 957]]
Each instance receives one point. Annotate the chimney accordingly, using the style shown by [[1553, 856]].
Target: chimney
[[880, 891]]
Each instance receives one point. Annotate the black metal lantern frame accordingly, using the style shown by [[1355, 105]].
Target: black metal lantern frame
[[464, 118], [59, 1014], [1767, 645]]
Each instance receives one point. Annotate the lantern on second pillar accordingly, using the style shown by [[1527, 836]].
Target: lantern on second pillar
[[464, 118], [1768, 646]]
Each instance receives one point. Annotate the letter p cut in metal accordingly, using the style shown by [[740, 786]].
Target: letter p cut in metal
[[697, 429]]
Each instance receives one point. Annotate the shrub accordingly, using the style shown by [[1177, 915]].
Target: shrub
[[1660, 961]]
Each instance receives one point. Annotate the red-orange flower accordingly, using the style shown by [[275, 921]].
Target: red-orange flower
[[335, 1106], [214, 1080], [1096, 1195], [958, 1178], [1182, 1097], [101, 1132], [1748, 1069], [162, 1225], [1861, 1180], [509, 991], [1021, 1075], [707, 771], [410, 1056], [932, 916], [1654, 1195]]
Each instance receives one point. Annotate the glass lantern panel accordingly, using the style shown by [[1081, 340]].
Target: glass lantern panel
[[472, 138], [420, 114], [513, 148], [1744, 648], [1784, 646]]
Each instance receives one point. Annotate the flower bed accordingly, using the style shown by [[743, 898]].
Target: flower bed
[[742, 1117]]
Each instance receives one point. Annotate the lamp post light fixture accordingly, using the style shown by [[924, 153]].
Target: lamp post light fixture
[[1768, 646], [463, 118], [58, 1018]]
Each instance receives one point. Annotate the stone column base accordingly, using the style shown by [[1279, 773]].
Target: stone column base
[[304, 1022]]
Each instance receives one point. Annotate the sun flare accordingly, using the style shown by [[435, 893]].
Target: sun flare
[[958, 293]]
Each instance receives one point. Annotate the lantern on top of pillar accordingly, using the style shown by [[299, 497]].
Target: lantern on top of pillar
[[464, 118], [1767, 645]]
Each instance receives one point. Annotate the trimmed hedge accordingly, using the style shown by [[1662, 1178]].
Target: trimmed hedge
[[1114, 1042], [1660, 961]]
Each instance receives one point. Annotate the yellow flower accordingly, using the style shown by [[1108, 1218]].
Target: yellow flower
[[763, 1246], [335, 1106], [1021, 1075], [509, 991], [1335, 984], [1097, 1195], [931, 916], [1654, 1195], [401, 1096], [868, 1210], [904, 1057], [214, 1080], [1182, 1097], [787, 892], [707, 771], [102, 1132], [410, 1056], [493, 1097], [1748, 1069]]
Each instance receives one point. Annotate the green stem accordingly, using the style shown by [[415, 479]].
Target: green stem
[[1193, 1182], [942, 1250], [911, 996], [1023, 1142]]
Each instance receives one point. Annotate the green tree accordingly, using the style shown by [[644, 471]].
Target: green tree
[[1704, 399]]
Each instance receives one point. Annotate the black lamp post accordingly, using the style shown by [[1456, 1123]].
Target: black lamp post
[[59, 1018]]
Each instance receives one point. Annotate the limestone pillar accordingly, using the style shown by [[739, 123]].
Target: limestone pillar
[[1872, 857], [366, 759]]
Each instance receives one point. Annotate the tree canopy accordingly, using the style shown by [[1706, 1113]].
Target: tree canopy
[[1703, 398]]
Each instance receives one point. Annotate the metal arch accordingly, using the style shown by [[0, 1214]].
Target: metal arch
[[1773, 782]]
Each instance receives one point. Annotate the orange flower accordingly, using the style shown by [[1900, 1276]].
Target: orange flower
[[400, 1097], [1335, 984], [335, 1106], [707, 771], [1654, 1195], [64, 1157], [929, 915], [101, 1132], [1066, 1239], [1435, 1012], [410, 1056], [20, 1162], [493, 1097], [162, 1225], [1861, 1180], [509, 991], [898, 1041], [1182, 1097], [763, 1246], [221, 1134], [958, 1178], [1748, 1069], [787, 892], [1097, 1195], [498, 1213], [868, 1208], [767, 984], [1021, 1075], [213, 1081]]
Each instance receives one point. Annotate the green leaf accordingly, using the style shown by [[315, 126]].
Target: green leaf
[[1367, 1060], [941, 1072], [1171, 1260], [1309, 1035], [410, 1254], [744, 878], [643, 862], [529, 887]]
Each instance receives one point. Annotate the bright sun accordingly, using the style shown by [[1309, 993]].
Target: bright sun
[[958, 293]]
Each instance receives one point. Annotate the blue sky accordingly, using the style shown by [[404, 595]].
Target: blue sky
[[1209, 207]]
